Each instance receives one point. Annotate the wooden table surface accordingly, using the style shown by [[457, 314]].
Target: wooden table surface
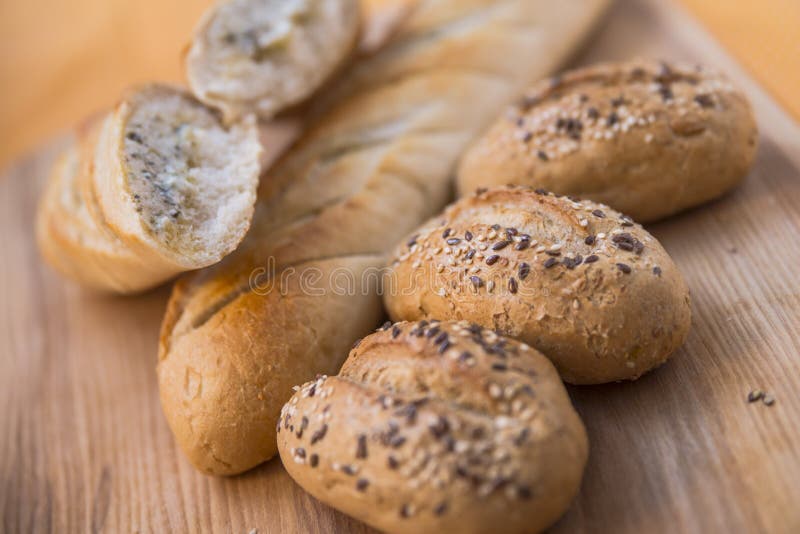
[[84, 446]]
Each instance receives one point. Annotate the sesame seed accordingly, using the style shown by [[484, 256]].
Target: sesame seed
[[755, 395], [571, 263], [500, 245], [319, 434], [524, 270], [361, 484], [349, 470], [453, 241], [704, 100], [589, 240], [657, 270], [491, 260], [599, 214], [542, 155], [446, 233], [468, 235], [300, 452], [523, 492], [313, 461], [512, 285], [769, 400], [624, 268], [591, 259], [626, 241], [361, 447], [395, 331], [550, 262]]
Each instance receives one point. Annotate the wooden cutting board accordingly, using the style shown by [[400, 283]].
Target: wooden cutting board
[[84, 446]]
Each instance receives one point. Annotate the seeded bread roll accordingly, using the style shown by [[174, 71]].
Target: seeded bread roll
[[157, 187], [438, 427], [374, 164], [582, 283], [261, 56], [649, 139]]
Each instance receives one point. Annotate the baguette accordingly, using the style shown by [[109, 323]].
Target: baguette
[[161, 187], [438, 427], [372, 166]]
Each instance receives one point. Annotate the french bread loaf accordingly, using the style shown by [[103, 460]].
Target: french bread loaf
[[584, 284], [648, 138], [438, 427], [160, 187], [374, 164]]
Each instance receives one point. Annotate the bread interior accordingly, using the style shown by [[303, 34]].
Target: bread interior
[[191, 180]]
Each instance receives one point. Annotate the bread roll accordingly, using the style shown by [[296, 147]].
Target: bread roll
[[261, 56], [438, 427], [373, 165], [582, 283], [647, 138], [161, 187]]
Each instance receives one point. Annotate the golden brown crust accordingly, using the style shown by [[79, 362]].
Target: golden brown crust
[[438, 427], [577, 280], [647, 138], [374, 164], [88, 226], [71, 234]]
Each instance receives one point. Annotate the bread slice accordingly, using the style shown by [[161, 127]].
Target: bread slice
[[262, 56], [157, 187]]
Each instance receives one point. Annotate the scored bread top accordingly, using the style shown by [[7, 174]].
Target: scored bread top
[[584, 284], [438, 427], [648, 138], [261, 56]]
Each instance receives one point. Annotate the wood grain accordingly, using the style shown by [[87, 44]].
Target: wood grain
[[84, 446]]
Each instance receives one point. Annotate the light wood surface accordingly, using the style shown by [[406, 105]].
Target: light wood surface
[[84, 446]]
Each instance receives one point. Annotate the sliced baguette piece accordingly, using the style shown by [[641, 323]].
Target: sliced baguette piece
[[70, 236], [371, 168], [160, 186], [261, 56]]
